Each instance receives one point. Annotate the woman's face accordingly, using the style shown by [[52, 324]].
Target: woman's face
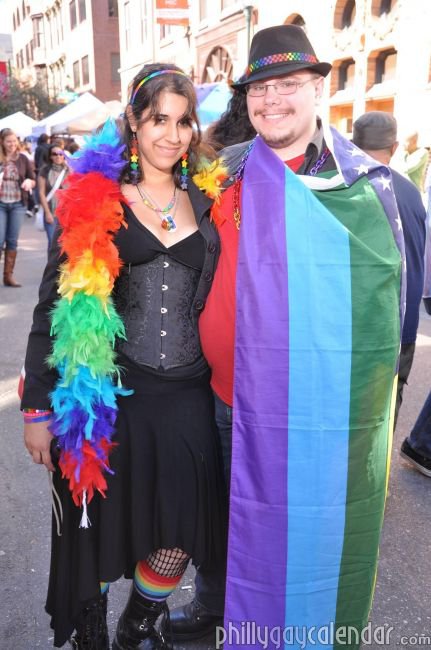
[[10, 144], [164, 138], [57, 156]]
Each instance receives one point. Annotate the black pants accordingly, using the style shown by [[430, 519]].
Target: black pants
[[406, 361]]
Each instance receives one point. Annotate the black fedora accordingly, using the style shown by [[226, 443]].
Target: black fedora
[[280, 50]]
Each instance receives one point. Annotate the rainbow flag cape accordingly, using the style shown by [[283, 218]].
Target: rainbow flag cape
[[317, 341]]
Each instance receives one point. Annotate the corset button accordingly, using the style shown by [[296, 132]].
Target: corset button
[[199, 305], [208, 276], [162, 333], [164, 287], [164, 310], [162, 356], [165, 265]]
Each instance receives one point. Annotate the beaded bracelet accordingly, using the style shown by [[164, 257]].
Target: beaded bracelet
[[36, 415]]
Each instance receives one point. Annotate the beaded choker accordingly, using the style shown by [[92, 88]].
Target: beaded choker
[[165, 214]]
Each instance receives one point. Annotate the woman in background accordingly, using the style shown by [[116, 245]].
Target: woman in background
[[16, 181], [50, 179]]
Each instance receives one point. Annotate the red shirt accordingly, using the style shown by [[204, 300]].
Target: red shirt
[[217, 321]]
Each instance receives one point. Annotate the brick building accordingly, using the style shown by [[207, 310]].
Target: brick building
[[70, 46]]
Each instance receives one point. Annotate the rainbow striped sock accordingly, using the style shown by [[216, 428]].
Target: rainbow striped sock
[[104, 586], [151, 585]]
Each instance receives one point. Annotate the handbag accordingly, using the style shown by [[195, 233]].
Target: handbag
[[40, 214]]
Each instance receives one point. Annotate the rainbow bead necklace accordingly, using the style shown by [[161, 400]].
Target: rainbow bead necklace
[[165, 214]]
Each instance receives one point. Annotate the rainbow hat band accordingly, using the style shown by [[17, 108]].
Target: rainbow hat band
[[150, 76], [285, 57]]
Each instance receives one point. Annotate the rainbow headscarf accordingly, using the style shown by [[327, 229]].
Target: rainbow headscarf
[[85, 323]]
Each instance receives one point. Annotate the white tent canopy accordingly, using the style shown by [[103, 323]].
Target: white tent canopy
[[89, 121], [79, 108], [19, 122]]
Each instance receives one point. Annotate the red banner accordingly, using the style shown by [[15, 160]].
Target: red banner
[[172, 12]]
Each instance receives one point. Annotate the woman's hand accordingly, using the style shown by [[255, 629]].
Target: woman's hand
[[37, 439], [49, 217], [27, 184]]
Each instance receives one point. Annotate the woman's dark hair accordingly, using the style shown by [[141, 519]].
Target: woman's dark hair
[[148, 96], [233, 126]]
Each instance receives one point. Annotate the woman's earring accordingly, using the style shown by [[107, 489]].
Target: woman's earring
[[134, 160], [184, 171]]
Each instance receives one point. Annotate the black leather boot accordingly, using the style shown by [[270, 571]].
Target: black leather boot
[[136, 624], [91, 629], [189, 622]]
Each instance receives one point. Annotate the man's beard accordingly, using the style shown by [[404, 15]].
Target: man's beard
[[280, 142]]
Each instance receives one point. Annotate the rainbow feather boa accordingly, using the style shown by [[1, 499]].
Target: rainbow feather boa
[[84, 322]]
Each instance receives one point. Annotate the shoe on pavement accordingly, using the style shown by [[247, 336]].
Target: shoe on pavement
[[421, 463], [189, 623]]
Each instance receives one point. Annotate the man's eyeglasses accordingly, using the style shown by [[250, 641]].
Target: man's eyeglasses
[[286, 87], [57, 153]]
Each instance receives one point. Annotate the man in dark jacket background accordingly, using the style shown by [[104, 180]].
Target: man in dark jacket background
[[375, 133]]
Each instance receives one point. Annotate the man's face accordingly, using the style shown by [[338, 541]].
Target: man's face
[[286, 122]]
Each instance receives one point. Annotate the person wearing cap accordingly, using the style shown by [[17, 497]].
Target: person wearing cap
[[375, 133], [301, 330]]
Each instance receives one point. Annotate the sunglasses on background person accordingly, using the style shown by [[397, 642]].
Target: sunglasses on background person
[[57, 153]]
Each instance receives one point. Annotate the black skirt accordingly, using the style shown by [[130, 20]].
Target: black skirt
[[167, 491]]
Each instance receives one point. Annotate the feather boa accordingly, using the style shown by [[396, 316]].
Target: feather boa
[[84, 322]]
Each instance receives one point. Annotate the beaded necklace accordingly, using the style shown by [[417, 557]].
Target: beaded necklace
[[165, 214], [240, 173]]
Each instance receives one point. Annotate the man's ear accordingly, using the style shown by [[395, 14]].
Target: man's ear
[[131, 118], [394, 148], [319, 88]]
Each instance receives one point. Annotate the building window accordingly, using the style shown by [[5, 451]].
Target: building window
[[18, 21], [113, 8], [165, 31], [386, 66], [82, 11], [381, 7], [144, 21], [127, 24], [76, 75], [85, 71], [37, 32], [346, 75], [349, 14], [298, 20], [72, 14], [225, 4], [14, 22], [203, 9], [115, 65], [27, 54]]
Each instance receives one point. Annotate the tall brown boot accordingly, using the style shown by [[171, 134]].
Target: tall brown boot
[[9, 264]]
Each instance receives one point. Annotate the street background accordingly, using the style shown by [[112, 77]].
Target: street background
[[403, 593]]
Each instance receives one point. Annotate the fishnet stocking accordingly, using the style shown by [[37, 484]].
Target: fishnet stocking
[[169, 562]]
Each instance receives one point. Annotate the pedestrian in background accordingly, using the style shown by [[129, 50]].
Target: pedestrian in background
[[415, 160], [50, 179], [17, 179], [375, 133]]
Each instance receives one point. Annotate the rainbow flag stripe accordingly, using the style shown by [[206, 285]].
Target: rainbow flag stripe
[[317, 343]]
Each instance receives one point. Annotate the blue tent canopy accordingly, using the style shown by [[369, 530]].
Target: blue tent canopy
[[213, 99]]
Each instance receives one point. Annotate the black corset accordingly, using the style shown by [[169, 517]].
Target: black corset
[[155, 302]]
